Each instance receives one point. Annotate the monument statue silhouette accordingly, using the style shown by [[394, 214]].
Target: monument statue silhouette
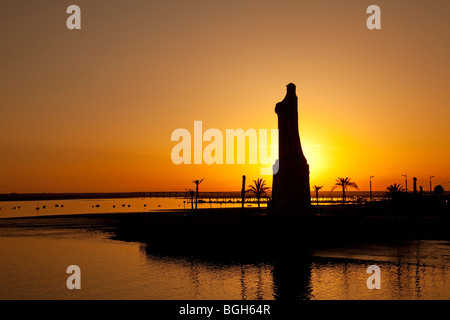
[[290, 189]]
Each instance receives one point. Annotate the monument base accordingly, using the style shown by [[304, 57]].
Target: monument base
[[291, 191]]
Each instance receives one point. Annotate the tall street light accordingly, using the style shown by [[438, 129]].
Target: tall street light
[[406, 182], [370, 184]]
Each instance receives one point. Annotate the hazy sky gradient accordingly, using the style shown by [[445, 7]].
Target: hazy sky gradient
[[94, 109]]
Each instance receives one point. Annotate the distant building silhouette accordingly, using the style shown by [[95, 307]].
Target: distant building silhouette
[[415, 185], [291, 191]]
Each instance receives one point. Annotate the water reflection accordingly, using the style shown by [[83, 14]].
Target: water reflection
[[292, 278], [124, 270], [205, 278], [306, 276]]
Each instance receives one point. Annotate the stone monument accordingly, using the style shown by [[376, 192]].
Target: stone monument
[[290, 190]]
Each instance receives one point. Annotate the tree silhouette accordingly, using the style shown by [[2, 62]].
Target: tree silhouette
[[316, 189], [259, 190], [197, 182], [394, 192], [394, 189], [191, 194], [438, 190], [344, 183]]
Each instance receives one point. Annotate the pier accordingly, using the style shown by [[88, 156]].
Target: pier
[[325, 197]]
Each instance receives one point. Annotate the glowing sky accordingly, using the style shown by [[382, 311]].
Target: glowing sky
[[94, 109]]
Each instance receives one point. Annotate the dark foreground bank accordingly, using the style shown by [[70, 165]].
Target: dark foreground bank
[[218, 232]]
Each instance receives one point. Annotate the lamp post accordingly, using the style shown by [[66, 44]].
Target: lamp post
[[370, 186], [406, 182], [243, 193], [431, 190]]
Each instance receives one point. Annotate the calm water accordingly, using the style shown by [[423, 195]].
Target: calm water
[[10, 209], [33, 266]]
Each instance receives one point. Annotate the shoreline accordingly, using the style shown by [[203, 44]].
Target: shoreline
[[226, 231], [42, 196]]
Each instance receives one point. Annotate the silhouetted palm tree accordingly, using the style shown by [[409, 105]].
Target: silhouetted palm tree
[[393, 191], [197, 182], [316, 189], [259, 189], [191, 194], [345, 183]]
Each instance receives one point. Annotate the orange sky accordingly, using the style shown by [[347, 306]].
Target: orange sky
[[94, 109]]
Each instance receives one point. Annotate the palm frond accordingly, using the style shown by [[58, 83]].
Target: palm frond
[[353, 185], [197, 182], [258, 188], [317, 188]]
